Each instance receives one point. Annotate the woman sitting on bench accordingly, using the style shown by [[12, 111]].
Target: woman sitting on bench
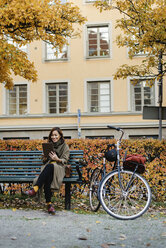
[[53, 172]]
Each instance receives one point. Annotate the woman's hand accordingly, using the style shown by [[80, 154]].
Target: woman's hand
[[54, 157]]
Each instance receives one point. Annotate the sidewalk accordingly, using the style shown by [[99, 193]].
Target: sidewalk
[[37, 229]]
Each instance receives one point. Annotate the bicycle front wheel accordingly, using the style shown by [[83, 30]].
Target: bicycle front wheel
[[128, 201], [93, 193]]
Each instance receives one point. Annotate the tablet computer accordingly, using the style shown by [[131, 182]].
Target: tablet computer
[[47, 148]]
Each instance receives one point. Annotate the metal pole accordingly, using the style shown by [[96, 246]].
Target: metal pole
[[79, 125], [160, 94]]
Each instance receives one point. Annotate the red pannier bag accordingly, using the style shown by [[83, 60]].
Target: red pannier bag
[[134, 160]]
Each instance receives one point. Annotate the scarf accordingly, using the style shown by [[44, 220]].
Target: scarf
[[59, 147]]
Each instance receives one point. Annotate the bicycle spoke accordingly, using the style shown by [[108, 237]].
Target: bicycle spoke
[[93, 193], [125, 204]]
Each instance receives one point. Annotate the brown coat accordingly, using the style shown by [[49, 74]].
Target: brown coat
[[59, 168]]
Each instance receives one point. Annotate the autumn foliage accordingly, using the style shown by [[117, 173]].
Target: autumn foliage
[[142, 23], [154, 149], [24, 21]]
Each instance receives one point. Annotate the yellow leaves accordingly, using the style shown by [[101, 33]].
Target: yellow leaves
[[103, 5], [143, 26], [26, 21]]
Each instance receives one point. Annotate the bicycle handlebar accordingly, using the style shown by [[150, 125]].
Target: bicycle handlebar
[[117, 129], [112, 127]]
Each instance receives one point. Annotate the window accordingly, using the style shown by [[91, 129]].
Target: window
[[98, 44], [65, 137], [141, 53], [15, 138], [143, 136], [57, 98], [90, 1], [99, 97], [99, 137], [17, 100], [142, 95], [53, 2], [138, 52], [55, 54], [23, 48]]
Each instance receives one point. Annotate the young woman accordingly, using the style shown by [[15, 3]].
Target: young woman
[[52, 173]]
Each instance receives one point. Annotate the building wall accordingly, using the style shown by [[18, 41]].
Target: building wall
[[77, 70]]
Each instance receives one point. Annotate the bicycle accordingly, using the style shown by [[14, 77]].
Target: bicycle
[[123, 193], [96, 177]]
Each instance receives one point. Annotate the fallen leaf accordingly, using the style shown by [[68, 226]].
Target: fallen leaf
[[148, 244], [82, 238], [14, 209], [122, 237], [105, 245], [13, 238], [88, 230], [163, 234], [98, 222]]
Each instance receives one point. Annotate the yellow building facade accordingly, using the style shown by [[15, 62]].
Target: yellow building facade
[[76, 90]]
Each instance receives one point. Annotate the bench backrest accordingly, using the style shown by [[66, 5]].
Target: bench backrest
[[24, 166]]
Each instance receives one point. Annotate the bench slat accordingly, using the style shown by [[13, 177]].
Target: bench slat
[[28, 163], [24, 166]]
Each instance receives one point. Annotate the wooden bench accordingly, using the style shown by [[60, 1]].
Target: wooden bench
[[24, 166]]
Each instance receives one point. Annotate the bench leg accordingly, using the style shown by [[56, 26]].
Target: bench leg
[[67, 195]]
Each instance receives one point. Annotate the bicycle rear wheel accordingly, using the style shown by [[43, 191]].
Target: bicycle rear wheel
[[126, 204], [93, 193]]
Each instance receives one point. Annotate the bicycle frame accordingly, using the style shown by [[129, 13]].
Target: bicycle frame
[[123, 193], [118, 162]]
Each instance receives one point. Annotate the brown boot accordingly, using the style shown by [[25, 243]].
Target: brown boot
[[51, 209]]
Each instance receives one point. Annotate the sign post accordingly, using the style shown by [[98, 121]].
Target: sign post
[[79, 123]]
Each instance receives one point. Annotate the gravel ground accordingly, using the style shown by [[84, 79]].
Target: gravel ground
[[37, 229]]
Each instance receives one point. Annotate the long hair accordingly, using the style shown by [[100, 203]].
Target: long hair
[[59, 131]]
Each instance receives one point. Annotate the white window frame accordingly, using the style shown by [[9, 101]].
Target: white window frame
[[55, 58], [87, 100], [23, 48], [6, 100], [89, 1], [86, 42], [140, 53], [132, 95], [45, 96]]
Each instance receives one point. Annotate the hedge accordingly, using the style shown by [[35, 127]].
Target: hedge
[[154, 149]]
